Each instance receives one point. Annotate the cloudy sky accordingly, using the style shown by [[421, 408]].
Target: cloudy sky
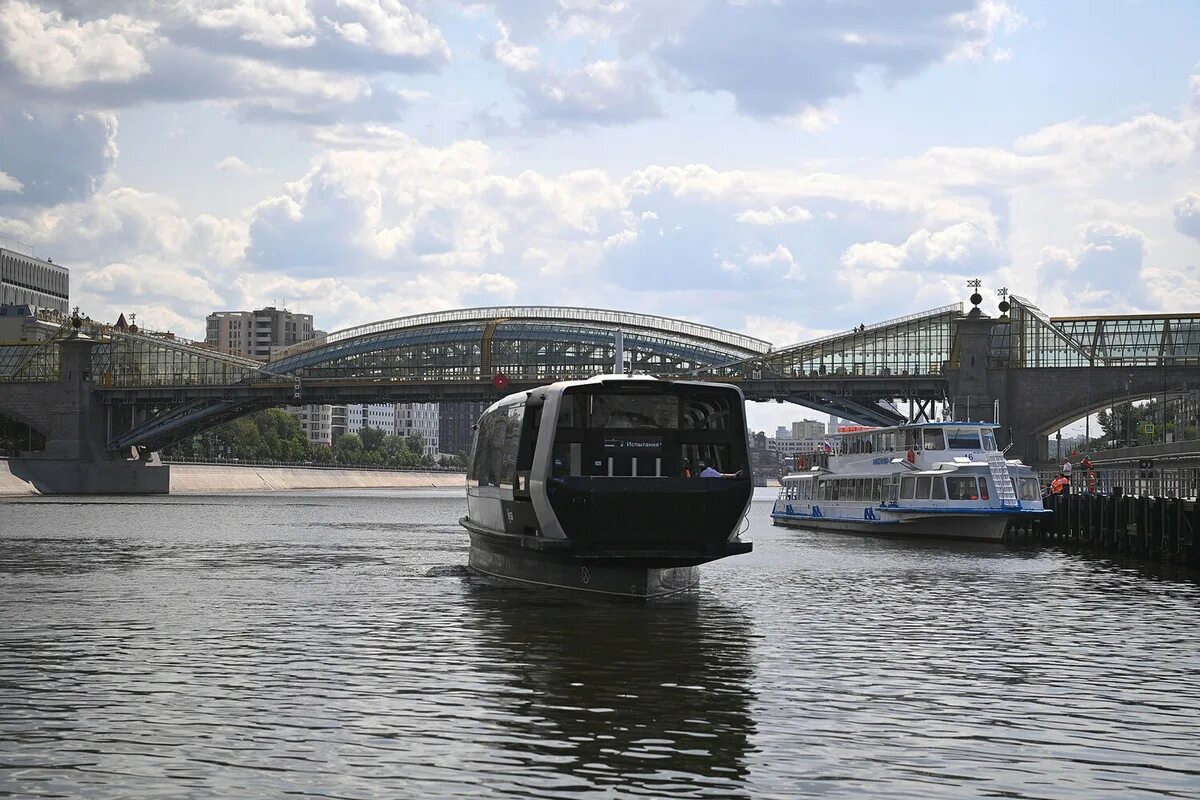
[[779, 167]]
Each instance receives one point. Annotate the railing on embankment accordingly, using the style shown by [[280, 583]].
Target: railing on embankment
[[1181, 482], [1156, 528]]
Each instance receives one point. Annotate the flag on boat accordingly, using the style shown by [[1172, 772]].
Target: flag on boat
[[827, 447]]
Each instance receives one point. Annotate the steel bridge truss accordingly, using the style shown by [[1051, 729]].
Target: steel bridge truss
[[1031, 339], [472, 347]]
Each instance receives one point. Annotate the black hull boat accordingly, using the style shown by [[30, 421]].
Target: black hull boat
[[591, 485]]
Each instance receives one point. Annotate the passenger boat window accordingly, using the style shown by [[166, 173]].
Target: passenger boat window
[[877, 489], [962, 488], [939, 489], [964, 439], [1030, 489], [923, 488], [908, 488], [989, 439], [983, 489], [933, 439], [912, 440]]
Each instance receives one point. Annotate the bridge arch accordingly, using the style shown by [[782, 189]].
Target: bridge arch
[[528, 343]]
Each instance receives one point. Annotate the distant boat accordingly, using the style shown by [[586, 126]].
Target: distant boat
[[942, 479], [585, 485]]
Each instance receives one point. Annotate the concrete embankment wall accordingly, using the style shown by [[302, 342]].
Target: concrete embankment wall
[[11, 485], [207, 479]]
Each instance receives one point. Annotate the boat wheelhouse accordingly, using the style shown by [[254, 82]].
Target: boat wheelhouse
[[943, 479], [594, 485]]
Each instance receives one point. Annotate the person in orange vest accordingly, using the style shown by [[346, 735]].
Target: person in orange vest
[[1059, 484], [1091, 481]]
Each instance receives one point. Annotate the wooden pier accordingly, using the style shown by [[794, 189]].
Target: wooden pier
[[1153, 528]]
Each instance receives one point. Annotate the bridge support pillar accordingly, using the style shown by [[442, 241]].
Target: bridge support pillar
[[76, 459]]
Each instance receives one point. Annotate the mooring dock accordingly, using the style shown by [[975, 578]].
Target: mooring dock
[[1154, 528]]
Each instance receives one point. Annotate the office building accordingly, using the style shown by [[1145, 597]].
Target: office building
[[783, 432], [25, 280]]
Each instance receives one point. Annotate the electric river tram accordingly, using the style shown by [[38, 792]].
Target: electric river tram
[[940, 479], [593, 485]]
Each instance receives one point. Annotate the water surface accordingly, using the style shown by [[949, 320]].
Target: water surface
[[332, 645]]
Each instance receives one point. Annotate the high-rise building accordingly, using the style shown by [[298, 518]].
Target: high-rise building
[[255, 333], [419, 419], [25, 280], [456, 426]]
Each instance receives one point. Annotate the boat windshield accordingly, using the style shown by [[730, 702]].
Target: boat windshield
[[964, 439], [673, 433], [933, 439], [989, 439]]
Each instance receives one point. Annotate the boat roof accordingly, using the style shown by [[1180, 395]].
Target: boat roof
[[912, 425]]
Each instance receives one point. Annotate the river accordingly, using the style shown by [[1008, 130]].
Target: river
[[331, 644]]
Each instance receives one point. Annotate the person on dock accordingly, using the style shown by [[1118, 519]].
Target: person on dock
[[1066, 468], [1060, 485]]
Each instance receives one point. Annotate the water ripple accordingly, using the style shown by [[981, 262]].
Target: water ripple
[[333, 646]]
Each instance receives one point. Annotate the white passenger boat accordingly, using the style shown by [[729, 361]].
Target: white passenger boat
[[942, 479], [588, 485]]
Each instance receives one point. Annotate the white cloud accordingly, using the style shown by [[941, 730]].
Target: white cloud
[[274, 23], [518, 58], [1102, 272], [235, 165], [1187, 215], [775, 216], [9, 184], [54, 52], [390, 27], [1146, 142]]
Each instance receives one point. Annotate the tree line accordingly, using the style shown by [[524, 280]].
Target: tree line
[[275, 435]]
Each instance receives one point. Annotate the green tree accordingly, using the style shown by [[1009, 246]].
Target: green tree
[[372, 438], [349, 449]]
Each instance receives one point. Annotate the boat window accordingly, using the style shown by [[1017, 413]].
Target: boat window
[[877, 489], [1030, 489], [983, 489], [487, 463], [908, 488], [923, 487], [707, 411], [634, 411], [962, 488], [572, 411], [964, 438], [939, 489], [933, 439], [511, 422], [989, 439]]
